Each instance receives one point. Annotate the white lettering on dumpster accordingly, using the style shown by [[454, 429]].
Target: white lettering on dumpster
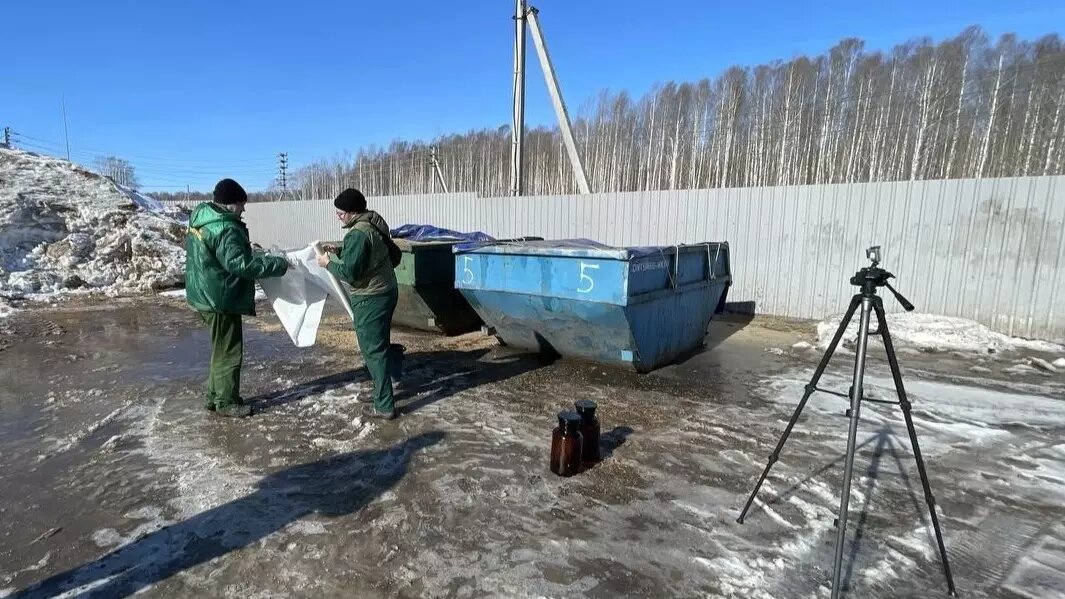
[[466, 269], [642, 266], [587, 283]]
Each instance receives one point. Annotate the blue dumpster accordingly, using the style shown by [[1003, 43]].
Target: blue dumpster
[[640, 307]]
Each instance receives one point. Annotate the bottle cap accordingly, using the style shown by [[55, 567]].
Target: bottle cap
[[569, 421], [586, 408]]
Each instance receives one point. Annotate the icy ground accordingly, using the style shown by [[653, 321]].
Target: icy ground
[[64, 228], [117, 481]]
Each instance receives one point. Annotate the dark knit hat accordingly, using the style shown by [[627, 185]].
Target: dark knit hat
[[350, 200], [228, 191]]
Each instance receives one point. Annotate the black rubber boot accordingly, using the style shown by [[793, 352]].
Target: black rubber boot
[[234, 410], [371, 412]]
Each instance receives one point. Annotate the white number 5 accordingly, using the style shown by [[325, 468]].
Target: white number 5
[[466, 269], [587, 284]]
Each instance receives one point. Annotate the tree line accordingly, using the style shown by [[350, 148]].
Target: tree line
[[196, 197], [963, 107], [119, 170]]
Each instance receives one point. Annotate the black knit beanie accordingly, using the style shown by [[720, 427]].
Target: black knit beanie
[[228, 191], [350, 200]]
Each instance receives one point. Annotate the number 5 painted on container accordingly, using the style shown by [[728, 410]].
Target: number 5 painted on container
[[466, 260], [587, 283]]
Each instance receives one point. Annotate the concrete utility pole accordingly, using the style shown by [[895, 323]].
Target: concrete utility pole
[[517, 127], [439, 176], [527, 14], [556, 99]]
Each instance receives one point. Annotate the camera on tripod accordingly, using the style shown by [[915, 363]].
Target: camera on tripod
[[871, 277], [873, 254], [868, 305]]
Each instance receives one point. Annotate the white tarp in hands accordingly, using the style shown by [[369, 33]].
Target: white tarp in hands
[[299, 297]]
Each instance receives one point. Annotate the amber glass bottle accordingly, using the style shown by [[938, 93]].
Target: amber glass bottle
[[566, 445], [589, 429]]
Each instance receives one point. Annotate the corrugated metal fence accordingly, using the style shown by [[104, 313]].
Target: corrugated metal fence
[[992, 250]]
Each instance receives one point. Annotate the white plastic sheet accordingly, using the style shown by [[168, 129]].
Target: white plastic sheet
[[299, 297]]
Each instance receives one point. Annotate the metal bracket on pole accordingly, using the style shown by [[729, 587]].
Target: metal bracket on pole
[[556, 99]]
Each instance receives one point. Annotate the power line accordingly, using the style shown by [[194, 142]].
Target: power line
[[170, 174], [190, 162], [207, 173], [82, 154], [330, 170]]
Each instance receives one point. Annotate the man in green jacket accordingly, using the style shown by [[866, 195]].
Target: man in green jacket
[[220, 273], [363, 262]]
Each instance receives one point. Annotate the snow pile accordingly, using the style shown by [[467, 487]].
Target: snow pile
[[931, 332], [63, 227]]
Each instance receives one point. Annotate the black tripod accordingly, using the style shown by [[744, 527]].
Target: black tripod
[[868, 280]]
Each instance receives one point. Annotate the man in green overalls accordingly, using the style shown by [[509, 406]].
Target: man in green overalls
[[220, 273], [363, 262]]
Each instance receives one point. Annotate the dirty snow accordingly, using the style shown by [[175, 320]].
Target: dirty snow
[[932, 332], [1042, 364], [1023, 369], [65, 228], [985, 442]]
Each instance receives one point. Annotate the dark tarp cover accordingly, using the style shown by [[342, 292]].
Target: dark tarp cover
[[431, 233], [577, 246]]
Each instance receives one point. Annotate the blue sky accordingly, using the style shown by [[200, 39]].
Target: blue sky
[[192, 90]]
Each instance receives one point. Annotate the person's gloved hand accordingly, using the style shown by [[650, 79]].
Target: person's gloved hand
[[323, 260]]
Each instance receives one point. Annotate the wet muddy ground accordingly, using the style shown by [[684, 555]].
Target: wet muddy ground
[[115, 480]]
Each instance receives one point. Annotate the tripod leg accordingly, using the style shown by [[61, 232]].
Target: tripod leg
[[852, 436], [904, 402], [805, 397]]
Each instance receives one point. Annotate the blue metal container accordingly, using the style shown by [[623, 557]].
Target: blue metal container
[[640, 308]]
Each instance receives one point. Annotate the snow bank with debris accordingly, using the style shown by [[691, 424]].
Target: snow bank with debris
[[931, 332], [64, 228]]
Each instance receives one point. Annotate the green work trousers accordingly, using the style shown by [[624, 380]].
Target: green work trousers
[[227, 356], [373, 327]]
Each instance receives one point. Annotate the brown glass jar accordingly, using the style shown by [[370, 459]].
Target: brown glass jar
[[566, 445], [589, 430]]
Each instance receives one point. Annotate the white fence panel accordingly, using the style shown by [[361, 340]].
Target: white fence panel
[[992, 250]]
